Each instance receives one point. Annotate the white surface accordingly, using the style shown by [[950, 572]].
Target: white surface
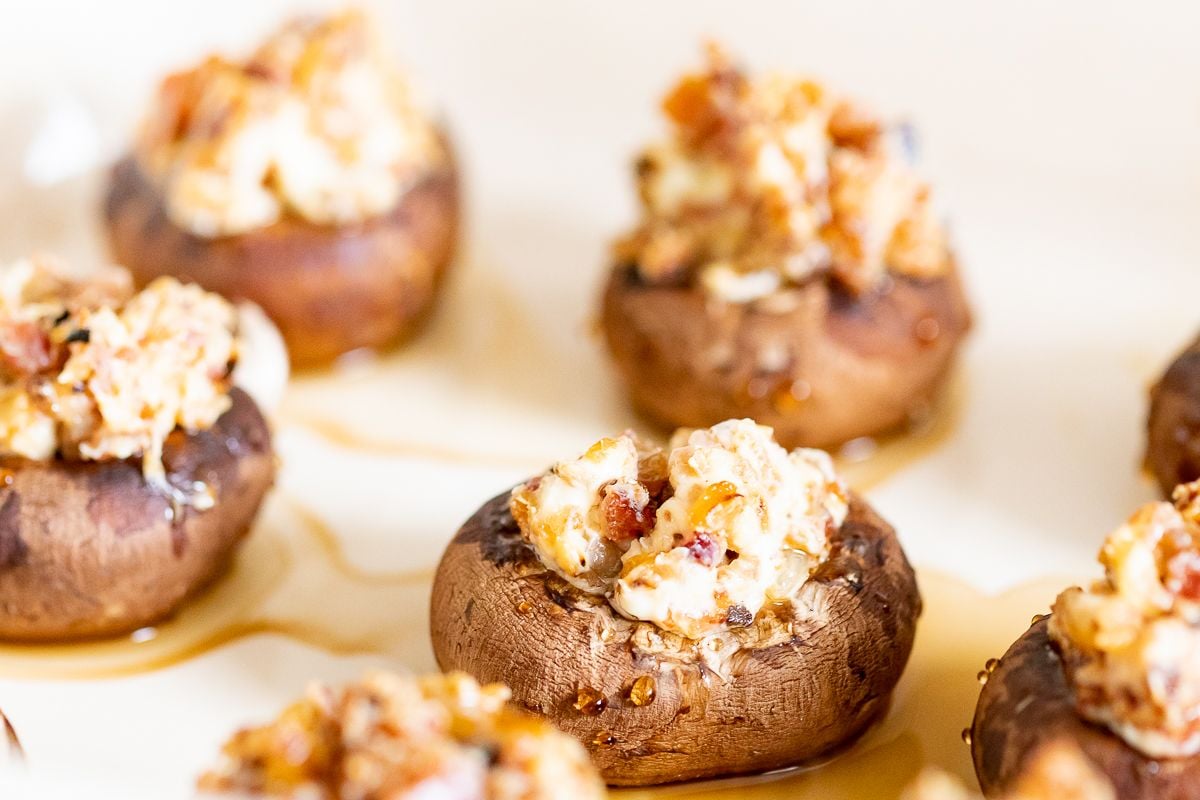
[[1060, 138]]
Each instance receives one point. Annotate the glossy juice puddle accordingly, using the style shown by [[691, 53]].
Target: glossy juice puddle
[[869, 461]]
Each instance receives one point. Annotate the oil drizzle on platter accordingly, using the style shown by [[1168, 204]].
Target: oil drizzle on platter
[[870, 461], [483, 352], [291, 578], [865, 462], [347, 438]]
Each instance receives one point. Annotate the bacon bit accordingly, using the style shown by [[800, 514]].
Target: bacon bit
[[703, 548], [1181, 572], [1177, 552], [25, 347], [626, 514]]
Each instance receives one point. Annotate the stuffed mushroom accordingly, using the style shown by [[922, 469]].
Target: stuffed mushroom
[[788, 266], [306, 179], [1115, 668], [130, 464], [441, 737], [721, 606]]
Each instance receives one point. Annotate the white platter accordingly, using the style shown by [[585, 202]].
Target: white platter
[[1060, 139]]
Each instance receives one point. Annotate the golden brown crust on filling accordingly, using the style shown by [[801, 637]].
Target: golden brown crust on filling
[[1130, 643], [773, 179], [90, 370], [317, 123], [697, 538], [390, 738]]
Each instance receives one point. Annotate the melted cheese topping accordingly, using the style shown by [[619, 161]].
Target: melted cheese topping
[[561, 516], [1131, 642], [316, 123], [90, 370], [696, 540], [441, 737], [777, 176]]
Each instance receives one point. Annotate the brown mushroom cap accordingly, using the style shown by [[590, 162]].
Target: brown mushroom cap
[[88, 548], [1173, 426], [498, 616], [1027, 703], [329, 289], [818, 365]]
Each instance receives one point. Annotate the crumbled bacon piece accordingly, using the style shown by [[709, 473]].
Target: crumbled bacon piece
[[1181, 573], [703, 548], [627, 512], [25, 347]]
